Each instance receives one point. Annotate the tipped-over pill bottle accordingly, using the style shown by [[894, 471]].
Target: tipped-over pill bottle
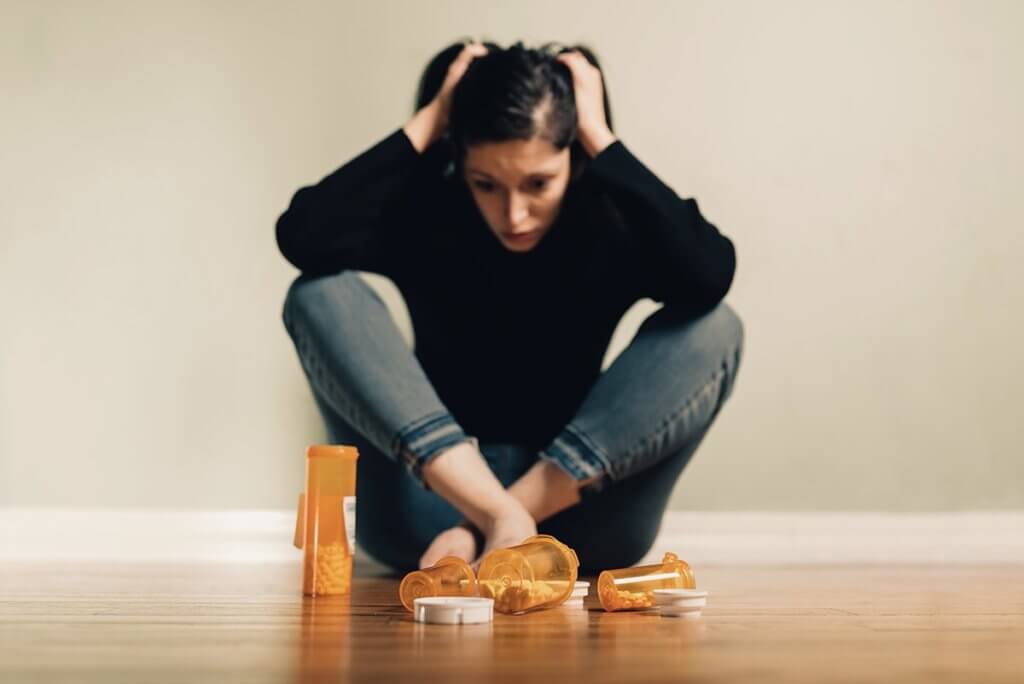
[[449, 576], [539, 573], [628, 588]]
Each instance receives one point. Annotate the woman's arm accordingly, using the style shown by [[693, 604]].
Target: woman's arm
[[545, 489], [685, 259], [461, 475], [351, 219], [425, 127]]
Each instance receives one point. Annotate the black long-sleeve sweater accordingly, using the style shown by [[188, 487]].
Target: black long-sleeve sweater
[[512, 342]]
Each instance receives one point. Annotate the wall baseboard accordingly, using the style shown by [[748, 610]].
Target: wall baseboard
[[702, 538], [774, 538]]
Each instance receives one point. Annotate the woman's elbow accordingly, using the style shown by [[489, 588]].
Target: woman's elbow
[[716, 280], [726, 273], [290, 248]]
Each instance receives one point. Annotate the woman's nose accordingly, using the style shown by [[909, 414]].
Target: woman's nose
[[518, 210]]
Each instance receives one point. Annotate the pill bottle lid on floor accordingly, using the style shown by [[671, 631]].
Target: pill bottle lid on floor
[[453, 611]]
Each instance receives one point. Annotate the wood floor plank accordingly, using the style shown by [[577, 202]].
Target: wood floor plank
[[120, 622]]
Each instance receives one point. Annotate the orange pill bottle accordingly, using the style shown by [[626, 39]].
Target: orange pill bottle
[[631, 588], [325, 524], [449, 576], [539, 573]]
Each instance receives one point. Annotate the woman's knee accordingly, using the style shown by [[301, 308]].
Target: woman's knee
[[724, 333], [725, 326], [720, 330], [713, 340], [729, 331], [311, 296]]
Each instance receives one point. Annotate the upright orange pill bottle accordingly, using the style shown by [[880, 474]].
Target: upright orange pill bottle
[[325, 524]]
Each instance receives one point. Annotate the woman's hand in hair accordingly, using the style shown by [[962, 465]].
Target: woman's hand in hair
[[588, 88], [431, 122], [456, 70]]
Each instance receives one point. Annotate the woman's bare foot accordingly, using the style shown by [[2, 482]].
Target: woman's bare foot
[[456, 541]]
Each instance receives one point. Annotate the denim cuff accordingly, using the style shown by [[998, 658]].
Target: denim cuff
[[575, 453], [423, 440]]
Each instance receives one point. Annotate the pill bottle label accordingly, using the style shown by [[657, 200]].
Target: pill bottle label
[[348, 508]]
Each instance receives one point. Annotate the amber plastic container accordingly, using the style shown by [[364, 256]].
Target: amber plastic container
[[325, 524], [449, 576], [630, 588], [539, 573]]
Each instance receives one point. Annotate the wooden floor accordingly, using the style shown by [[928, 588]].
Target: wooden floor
[[119, 622]]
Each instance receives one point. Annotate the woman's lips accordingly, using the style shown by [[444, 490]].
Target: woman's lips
[[521, 237]]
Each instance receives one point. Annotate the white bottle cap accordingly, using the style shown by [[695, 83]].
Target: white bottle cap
[[453, 610], [681, 603], [573, 603], [680, 597]]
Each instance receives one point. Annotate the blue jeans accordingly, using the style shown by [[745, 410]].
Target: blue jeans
[[636, 430]]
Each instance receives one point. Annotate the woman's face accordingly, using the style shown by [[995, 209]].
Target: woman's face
[[518, 186]]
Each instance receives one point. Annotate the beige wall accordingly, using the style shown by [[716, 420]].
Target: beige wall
[[865, 158]]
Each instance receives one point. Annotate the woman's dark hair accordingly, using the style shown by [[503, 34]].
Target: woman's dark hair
[[501, 94]]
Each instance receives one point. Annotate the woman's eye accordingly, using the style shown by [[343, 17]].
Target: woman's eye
[[483, 187], [538, 185]]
